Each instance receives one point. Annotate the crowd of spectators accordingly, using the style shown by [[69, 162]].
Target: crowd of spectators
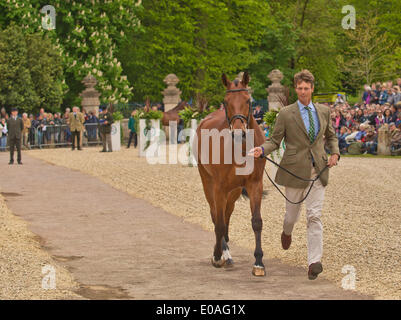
[[46, 128], [357, 126]]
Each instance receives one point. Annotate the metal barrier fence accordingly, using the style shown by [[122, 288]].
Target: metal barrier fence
[[56, 136]]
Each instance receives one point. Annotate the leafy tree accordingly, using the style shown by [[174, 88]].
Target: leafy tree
[[87, 35], [30, 71]]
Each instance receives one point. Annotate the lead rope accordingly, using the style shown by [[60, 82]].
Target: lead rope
[[307, 180]]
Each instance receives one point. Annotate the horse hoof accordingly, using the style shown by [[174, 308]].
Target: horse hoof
[[218, 264], [229, 264], [258, 271]]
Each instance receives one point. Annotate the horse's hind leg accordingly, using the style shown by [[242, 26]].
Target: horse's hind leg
[[255, 196], [232, 197]]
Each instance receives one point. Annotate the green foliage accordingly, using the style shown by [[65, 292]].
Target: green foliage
[[197, 40], [270, 119], [31, 74], [193, 113], [117, 116], [150, 115], [88, 34]]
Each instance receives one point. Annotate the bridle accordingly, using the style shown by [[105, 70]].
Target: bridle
[[238, 116]]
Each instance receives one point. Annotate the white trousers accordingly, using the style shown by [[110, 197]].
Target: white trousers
[[314, 205]]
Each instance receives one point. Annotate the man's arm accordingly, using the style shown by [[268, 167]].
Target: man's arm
[[274, 143]]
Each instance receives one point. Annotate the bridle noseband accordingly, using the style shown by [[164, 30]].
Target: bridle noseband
[[238, 116]]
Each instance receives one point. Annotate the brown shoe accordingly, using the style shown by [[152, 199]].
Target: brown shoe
[[285, 241], [314, 270]]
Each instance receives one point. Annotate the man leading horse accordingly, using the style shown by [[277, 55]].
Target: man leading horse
[[305, 127]]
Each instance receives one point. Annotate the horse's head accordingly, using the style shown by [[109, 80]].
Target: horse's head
[[237, 103]]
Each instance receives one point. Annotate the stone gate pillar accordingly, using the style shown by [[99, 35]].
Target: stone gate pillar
[[383, 141], [172, 95], [276, 91], [90, 96]]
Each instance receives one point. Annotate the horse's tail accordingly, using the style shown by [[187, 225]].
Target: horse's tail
[[246, 196]]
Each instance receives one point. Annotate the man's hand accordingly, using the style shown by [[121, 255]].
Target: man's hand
[[332, 160], [255, 152]]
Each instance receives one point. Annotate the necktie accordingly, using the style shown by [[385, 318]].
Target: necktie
[[311, 132]]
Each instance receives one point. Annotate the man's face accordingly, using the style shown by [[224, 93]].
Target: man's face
[[14, 113], [304, 91], [42, 110], [392, 127]]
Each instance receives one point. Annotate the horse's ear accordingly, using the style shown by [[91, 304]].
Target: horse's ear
[[245, 79], [225, 80]]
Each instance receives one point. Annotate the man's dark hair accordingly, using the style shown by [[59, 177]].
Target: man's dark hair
[[305, 76]]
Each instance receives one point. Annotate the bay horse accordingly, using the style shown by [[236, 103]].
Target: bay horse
[[221, 185]]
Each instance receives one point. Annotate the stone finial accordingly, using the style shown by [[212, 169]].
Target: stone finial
[[172, 95], [90, 96], [276, 91]]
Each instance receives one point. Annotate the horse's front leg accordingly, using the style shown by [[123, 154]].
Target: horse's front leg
[[255, 190], [219, 227]]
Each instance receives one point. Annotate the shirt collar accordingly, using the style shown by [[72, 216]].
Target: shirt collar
[[310, 105]]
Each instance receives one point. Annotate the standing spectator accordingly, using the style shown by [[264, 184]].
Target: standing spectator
[[397, 95], [383, 95], [50, 129], [132, 133], [3, 134], [26, 130], [375, 92], [15, 126], [57, 123], [258, 114], [367, 95], [3, 113], [105, 121], [67, 132], [33, 130], [91, 126], [76, 122], [41, 125], [391, 96], [41, 113]]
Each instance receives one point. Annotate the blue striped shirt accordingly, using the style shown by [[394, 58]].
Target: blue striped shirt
[[305, 117]]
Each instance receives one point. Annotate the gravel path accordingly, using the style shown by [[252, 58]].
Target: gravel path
[[22, 260], [117, 246], [360, 216]]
